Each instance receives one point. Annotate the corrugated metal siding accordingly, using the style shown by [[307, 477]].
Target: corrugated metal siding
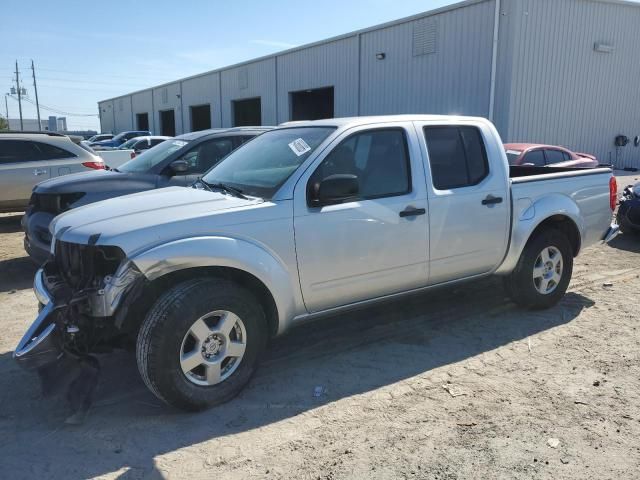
[[454, 79], [107, 119], [200, 91], [167, 98], [142, 103], [123, 114], [333, 64], [256, 79], [564, 92]]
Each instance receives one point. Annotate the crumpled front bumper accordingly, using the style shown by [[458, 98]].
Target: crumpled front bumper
[[42, 343]]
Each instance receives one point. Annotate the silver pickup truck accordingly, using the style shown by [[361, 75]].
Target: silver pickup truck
[[309, 219]]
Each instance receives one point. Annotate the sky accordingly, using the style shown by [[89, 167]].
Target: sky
[[85, 52]]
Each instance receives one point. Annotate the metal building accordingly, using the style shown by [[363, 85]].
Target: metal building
[[547, 71]]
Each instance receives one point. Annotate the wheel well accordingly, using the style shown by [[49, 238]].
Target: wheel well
[[152, 291], [566, 226]]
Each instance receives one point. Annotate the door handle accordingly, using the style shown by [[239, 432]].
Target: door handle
[[38, 171], [491, 200], [412, 212]]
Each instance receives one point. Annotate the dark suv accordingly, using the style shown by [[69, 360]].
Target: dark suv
[[176, 162]]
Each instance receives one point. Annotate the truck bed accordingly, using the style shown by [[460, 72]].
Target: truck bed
[[520, 174]]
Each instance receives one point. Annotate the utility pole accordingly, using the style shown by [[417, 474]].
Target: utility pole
[[6, 107], [19, 96], [35, 88]]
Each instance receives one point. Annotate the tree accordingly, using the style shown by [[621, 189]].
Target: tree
[[4, 124]]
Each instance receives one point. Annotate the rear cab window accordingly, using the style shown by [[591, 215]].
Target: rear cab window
[[457, 156]]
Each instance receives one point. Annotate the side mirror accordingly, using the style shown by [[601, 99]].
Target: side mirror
[[334, 189], [179, 166]]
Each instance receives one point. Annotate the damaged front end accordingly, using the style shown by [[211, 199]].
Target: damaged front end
[[80, 291]]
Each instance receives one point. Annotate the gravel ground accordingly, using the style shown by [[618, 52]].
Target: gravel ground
[[451, 384]]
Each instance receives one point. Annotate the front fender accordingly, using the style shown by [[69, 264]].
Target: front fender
[[528, 215], [217, 251]]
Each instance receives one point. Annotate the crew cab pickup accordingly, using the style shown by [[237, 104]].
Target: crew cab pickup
[[308, 219]]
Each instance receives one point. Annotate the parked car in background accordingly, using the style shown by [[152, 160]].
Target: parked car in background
[[27, 159], [119, 139], [309, 219], [176, 162], [100, 137], [116, 157], [628, 216], [140, 144], [537, 155]]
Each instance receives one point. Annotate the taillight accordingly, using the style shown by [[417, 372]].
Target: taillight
[[94, 165], [133, 155], [613, 193]]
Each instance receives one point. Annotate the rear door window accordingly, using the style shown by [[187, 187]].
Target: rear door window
[[457, 156], [51, 152], [554, 156], [17, 151]]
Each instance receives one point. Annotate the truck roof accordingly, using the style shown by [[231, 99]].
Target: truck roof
[[354, 121]]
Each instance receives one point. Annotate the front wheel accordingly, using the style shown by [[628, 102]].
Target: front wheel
[[200, 342], [543, 272]]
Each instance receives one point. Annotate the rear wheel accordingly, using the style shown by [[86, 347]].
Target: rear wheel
[[200, 342], [543, 272]]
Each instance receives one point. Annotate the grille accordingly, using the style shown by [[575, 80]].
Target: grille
[[80, 265]]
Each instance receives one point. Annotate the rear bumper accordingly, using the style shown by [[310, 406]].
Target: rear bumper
[[42, 343]]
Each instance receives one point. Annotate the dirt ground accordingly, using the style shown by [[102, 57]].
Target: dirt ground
[[453, 384]]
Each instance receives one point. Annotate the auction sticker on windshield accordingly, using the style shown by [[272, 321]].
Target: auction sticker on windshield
[[299, 147]]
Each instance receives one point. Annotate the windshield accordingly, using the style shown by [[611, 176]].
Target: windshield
[[152, 157], [513, 156], [129, 143], [262, 165]]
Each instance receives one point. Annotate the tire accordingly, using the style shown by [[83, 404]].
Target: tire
[[521, 286], [167, 332]]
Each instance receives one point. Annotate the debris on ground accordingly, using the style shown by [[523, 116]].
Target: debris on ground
[[553, 442], [454, 391]]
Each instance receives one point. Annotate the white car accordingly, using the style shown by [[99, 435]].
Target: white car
[[27, 159]]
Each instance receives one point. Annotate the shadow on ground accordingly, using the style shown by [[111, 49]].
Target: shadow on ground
[[10, 223], [348, 355], [629, 242]]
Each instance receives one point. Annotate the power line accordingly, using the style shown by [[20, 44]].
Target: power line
[[58, 111]]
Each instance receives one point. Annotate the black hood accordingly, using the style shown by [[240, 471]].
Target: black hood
[[98, 180]]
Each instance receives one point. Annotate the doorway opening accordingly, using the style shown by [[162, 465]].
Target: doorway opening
[[247, 112], [168, 123], [142, 121], [313, 104], [200, 117]]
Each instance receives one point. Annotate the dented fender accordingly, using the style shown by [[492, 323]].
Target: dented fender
[[220, 251]]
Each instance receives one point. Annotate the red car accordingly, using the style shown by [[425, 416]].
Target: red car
[[532, 154]]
